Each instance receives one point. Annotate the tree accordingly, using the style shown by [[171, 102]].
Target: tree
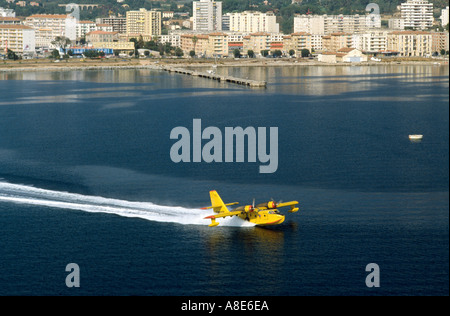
[[179, 52], [291, 52], [264, 53], [442, 52], [194, 41], [305, 52], [277, 53], [140, 43], [62, 42], [250, 53], [12, 55], [54, 54], [192, 53], [237, 53], [152, 45]]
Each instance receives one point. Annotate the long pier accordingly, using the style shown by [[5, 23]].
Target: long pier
[[213, 76]]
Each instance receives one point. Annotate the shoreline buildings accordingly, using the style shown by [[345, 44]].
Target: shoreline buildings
[[219, 35]]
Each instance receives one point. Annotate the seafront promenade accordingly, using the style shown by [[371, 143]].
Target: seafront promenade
[[187, 63]]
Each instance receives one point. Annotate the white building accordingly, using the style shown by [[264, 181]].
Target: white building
[[396, 24], [372, 41], [312, 24], [18, 38], [444, 16], [252, 22], [207, 16], [49, 26], [173, 39], [85, 27], [417, 14], [316, 42], [327, 24]]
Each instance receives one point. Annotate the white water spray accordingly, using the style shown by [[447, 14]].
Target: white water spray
[[22, 194]]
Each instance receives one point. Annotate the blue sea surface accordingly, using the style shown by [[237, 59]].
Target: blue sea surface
[[86, 177]]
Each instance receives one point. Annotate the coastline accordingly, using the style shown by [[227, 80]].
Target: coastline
[[105, 64]]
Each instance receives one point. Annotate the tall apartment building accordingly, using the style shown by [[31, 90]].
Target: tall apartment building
[[18, 38], [327, 24], [444, 16], [252, 22], [417, 14], [143, 22], [410, 43], [207, 16], [48, 26], [119, 24]]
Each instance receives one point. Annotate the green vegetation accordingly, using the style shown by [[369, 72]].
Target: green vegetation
[[305, 52], [11, 55], [277, 53], [92, 53], [54, 54]]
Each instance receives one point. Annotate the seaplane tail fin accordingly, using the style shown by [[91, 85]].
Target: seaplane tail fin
[[217, 204]]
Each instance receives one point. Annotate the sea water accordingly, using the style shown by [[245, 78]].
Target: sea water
[[86, 178]]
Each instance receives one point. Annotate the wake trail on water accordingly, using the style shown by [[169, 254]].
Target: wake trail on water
[[28, 195]]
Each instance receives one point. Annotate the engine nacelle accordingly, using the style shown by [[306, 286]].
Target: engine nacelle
[[268, 205], [249, 208]]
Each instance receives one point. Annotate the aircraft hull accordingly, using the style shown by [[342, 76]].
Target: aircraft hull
[[264, 218]]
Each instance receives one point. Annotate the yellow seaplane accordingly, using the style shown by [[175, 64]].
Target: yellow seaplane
[[263, 214]]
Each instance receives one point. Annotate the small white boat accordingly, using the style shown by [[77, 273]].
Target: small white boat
[[375, 59], [415, 137]]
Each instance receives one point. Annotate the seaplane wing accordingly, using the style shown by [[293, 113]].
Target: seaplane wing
[[292, 204], [221, 215]]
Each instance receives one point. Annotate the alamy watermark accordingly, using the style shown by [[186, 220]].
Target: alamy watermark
[[73, 278], [229, 147], [373, 278]]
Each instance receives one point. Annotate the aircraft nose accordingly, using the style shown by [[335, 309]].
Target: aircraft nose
[[281, 220]]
